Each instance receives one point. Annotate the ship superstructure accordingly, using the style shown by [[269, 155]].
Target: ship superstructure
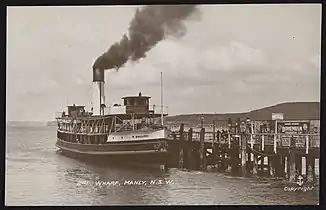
[[132, 130]]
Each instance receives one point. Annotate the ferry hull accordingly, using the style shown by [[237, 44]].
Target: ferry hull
[[147, 153]]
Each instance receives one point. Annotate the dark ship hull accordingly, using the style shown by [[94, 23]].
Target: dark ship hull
[[149, 153]]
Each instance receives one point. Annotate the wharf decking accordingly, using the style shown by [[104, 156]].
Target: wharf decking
[[247, 154]]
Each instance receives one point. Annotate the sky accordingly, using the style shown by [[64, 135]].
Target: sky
[[233, 58]]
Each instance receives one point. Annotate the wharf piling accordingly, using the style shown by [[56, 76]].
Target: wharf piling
[[190, 150], [182, 145], [243, 154], [246, 153], [202, 149]]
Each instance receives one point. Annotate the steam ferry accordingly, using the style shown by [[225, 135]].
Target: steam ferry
[[133, 132]]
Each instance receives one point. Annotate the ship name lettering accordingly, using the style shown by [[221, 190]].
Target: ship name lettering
[[142, 136]]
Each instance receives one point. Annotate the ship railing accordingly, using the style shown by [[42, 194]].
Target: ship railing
[[86, 131], [92, 126]]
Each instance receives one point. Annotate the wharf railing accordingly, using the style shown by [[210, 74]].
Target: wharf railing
[[262, 139]]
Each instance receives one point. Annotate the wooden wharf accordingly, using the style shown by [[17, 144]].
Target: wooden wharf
[[245, 154]]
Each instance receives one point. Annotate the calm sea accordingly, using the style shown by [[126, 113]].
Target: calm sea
[[37, 174]]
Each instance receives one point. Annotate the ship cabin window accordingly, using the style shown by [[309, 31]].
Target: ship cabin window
[[139, 101], [143, 101], [129, 102]]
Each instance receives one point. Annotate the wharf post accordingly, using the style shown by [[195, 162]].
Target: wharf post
[[291, 161], [243, 147], [214, 144], [202, 149], [181, 145], [255, 166], [243, 154], [190, 149]]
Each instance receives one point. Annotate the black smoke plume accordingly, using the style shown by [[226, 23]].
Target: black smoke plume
[[149, 25]]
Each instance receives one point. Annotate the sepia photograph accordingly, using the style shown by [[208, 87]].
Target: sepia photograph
[[186, 104]]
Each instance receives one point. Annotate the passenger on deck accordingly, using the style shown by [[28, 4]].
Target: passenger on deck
[[129, 126], [143, 123], [218, 136]]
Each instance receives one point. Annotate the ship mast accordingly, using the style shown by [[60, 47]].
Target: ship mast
[[162, 99]]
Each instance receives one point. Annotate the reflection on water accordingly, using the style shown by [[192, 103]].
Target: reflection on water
[[38, 175]]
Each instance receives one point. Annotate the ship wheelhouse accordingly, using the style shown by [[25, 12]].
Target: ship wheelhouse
[[139, 106]]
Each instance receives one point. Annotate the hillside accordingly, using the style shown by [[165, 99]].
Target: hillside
[[290, 110], [26, 123]]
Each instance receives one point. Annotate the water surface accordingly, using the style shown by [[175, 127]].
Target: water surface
[[37, 174]]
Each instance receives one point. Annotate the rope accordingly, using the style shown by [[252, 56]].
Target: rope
[[262, 154]]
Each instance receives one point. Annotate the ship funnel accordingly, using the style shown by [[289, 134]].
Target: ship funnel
[[98, 92], [98, 75]]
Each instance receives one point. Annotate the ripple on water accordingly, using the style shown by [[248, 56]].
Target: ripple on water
[[39, 175]]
